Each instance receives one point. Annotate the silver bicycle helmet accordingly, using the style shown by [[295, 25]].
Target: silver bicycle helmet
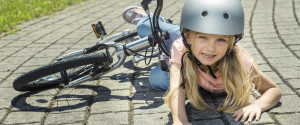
[[223, 17]]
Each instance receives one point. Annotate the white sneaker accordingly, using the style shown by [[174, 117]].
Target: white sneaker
[[133, 14]]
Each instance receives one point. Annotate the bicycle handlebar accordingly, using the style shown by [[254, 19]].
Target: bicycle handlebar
[[157, 34]]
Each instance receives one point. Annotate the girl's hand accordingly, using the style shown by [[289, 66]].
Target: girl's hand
[[249, 112]]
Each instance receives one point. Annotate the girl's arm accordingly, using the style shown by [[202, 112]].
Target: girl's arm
[[270, 96], [177, 100], [270, 92]]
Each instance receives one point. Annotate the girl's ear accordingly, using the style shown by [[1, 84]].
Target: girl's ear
[[188, 38]]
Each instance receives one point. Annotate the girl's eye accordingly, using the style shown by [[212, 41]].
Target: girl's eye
[[222, 40], [202, 37]]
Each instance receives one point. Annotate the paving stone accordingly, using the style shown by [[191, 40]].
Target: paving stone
[[286, 90], [14, 60], [73, 99], [142, 85], [290, 36], [20, 43], [259, 60], [284, 62], [21, 70], [209, 122], [297, 53], [4, 54], [66, 117], [294, 47], [264, 68], [150, 107], [49, 55], [272, 46], [246, 43], [196, 115], [2, 112], [267, 40], [115, 118], [67, 41], [37, 62], [288, 119], [265, 35], [286, 31], [26, 117], [153, 119], [275, 53], [101, 107], [157, 96], [104, 94], [286, 102], [295, 83], [3, 75], [112, 85], [32, 103], [5, 42], [8, 95], [289, 73], [252, 51], [274, 77], [15, 36], [262, 30]]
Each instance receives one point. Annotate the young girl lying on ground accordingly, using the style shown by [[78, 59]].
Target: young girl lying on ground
[[205, 57]]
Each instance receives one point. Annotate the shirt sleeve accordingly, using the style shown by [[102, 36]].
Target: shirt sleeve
[[245, 58], [177, 51]]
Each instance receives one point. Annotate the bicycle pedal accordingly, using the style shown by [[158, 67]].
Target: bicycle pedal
[[99, 30]]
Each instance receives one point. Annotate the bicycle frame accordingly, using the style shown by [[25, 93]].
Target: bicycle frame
[[136, 46], [121, 50], [88, 64]]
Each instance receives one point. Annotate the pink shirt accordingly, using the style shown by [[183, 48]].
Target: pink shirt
[[206, 81]]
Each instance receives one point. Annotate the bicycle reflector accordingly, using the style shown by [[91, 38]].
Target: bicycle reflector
[[99, 30]]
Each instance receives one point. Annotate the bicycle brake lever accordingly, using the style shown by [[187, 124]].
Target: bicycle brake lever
[[145, 4]]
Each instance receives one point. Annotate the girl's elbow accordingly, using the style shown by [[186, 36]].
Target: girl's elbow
[[279, 93]]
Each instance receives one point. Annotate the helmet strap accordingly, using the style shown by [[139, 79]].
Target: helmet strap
[[237, 38]]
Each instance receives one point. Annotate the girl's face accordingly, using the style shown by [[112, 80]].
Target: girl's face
[[209, 48]]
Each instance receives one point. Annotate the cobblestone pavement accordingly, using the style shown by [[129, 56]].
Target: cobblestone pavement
[[125, 96]]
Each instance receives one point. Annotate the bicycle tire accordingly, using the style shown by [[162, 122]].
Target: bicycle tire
[[23, 82]]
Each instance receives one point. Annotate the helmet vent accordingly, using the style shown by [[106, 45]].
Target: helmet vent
[[226, 15], [204, 13]]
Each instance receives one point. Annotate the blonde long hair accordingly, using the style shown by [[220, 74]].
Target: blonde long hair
[[238, 83]]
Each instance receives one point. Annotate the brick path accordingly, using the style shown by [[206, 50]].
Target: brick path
[[124, 96]]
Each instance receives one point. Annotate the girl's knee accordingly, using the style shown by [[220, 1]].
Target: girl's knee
[[159, 79]]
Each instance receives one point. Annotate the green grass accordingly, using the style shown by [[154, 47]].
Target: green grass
[[14, 12]]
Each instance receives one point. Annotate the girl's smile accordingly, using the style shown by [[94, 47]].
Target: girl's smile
[[208, 56]]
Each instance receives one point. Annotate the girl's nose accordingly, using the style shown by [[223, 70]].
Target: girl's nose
[[211, 47]]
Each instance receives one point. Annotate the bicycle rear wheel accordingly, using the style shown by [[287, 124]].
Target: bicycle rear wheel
[[51, 75]]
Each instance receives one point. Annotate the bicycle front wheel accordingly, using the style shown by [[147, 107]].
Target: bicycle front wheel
[[51, 75]]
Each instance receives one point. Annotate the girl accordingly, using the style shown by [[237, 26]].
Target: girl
[[206, 57]]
